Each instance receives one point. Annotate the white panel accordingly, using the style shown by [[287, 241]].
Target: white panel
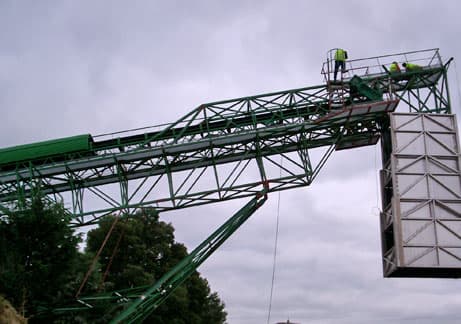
[[445, 139], [420, 257], [448, 210], [415, 232], [436, 123], [410, 165], [425, 164], [455, 252], [448, 259], [415, 210], [412, 186], [440, 144], [406, 206], [410, 143], [408, 122], [444, 187], [446, 234], [400, 119], [442, 165], [426, 199]]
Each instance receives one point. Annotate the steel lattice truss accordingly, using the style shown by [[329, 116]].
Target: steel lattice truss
[[245, 147], [222, 150]]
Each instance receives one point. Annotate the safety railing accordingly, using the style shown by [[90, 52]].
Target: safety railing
[[375, 66]]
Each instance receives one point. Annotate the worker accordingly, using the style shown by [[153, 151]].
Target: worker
[[410, 67], [340, 61], [394, 67]]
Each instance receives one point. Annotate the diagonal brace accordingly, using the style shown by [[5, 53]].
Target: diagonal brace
[[152, 298]]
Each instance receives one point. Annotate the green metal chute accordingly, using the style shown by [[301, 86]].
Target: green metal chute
[[11, 156], [358, 87]]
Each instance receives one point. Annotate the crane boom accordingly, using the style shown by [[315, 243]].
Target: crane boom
[[220, 141], [220, 151]]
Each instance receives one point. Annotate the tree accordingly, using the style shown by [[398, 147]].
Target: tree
[[147, 250], [39, 252]]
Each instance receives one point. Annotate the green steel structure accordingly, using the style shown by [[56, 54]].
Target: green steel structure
[[225, 150], [220, 151], [142, 301], [48, 151]]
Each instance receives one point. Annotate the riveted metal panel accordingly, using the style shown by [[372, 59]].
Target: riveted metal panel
[[421, 218]]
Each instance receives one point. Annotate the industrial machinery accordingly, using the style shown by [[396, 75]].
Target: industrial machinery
[[232, 149]]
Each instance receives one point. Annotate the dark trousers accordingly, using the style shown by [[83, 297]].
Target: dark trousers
[[339, 64]]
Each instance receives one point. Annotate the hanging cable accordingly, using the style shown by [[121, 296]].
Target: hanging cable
[[114, 252], [275, 246], [95, 259]]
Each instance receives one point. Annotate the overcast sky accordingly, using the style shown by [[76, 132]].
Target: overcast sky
[[74, 67]]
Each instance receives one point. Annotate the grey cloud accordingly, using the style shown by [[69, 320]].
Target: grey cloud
[[95, 67]]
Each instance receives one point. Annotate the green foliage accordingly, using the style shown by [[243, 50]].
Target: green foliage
[[146, 251], [38, 252], [42, 269]]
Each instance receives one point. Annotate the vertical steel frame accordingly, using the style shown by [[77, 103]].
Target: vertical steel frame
[[421, 219]]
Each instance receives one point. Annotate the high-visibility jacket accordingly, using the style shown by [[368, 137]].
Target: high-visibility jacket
[[412, 67], [394, 68], [340, 55]]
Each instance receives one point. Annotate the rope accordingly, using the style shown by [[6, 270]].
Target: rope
[[275, 246], [95, 259], [114, 252]]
